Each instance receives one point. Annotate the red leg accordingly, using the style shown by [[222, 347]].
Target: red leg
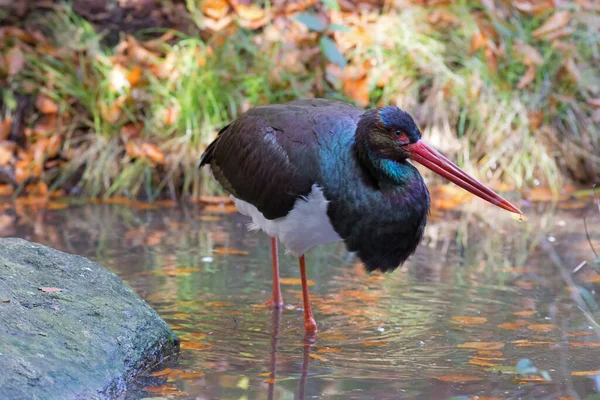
[[310, 326], [276, 300]]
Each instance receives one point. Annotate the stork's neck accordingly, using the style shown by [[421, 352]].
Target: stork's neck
[[385, 170]]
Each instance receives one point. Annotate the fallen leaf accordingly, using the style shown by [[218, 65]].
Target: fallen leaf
[[5, 126], [216, 9], [585, 373], [527, 343], [190, 375], [512, 325], [165, 390], [318, 357], [219, 304], [6, 300], [269, 373], [489, 353], [45, 104], [525, 313], [153, 153], [580, 333], [228, 251], [162, 372], [15, 60], [332, 336], [329, 350], [528, 54], [214, 200], [195, 346], [50, 289], [295, 281], [358, 90], [585, 344], [271, 380], [457, 378], [541, 327], [527, 78], [482, 362], [220, 209], [466, 320], [171, 114], [556, 22], [482, 345], [134, 76]]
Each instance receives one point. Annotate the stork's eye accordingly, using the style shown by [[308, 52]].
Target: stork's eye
[[401, 137]]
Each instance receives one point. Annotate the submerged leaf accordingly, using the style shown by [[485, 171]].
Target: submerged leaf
[[482, 345], [457, 378], [466, 320]]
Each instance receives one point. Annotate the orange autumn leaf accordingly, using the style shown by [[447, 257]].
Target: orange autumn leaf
[[295, 281], [195, 346], [153, 153], [269, 373], [190, 375], [134, 76], [541, 327], [132, 130], [457, 378], [525, 313], [214, 200], [219, 304], [171, 114], [585, 344], [489, 353], [318, 357], [5, 126], [164, 390], [512, 325], [585, 373], [527, 343], [466, 320], [482, 363], [216, 9], [250, 13], [329, 350], [220, 209], [357, 89], [580, 333], [134, 150], [45, 104], [228, 251], [527, 54], [374, 343], [163, 372], [270, 380], [482, 345]]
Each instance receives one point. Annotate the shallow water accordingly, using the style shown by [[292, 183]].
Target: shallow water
[[482, 292]]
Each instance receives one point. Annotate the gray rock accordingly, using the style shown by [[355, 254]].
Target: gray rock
[[85, 342]]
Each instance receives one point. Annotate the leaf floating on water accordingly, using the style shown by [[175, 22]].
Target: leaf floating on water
[[490, 353], [482, 362], [329, 350], [50, 289], [525, 313], [513, 325], [527, 343], [318, 357], [585, 344], [482, 345], [195, 346], [219, 304], [580, 333], [163, 372], [190, 375], [270, 380], [541, 327], [295, 281], [466, 320], [585, 373], [228, 251], [457, 378], [165, 390]]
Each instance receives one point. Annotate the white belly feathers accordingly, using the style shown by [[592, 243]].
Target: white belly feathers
[[306, 226]]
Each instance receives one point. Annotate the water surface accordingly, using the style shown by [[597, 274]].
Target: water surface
[[482, 292]]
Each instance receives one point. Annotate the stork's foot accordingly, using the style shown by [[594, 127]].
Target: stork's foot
[[310, 326], [277, 303]]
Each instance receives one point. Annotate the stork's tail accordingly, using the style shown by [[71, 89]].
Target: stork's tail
[[206, 157]]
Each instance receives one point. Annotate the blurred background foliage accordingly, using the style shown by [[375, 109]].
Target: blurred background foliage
[[120, 97]]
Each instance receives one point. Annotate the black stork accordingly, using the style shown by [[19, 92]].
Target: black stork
[[315, 171]]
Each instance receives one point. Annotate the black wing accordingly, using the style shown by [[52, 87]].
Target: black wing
[[267, 156]]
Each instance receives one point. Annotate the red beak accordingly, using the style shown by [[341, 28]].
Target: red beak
[[432, 159]]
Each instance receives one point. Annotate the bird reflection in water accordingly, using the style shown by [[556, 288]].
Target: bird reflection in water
[[309, 341]]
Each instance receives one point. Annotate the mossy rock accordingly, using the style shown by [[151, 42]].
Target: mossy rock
[[86, 341]]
